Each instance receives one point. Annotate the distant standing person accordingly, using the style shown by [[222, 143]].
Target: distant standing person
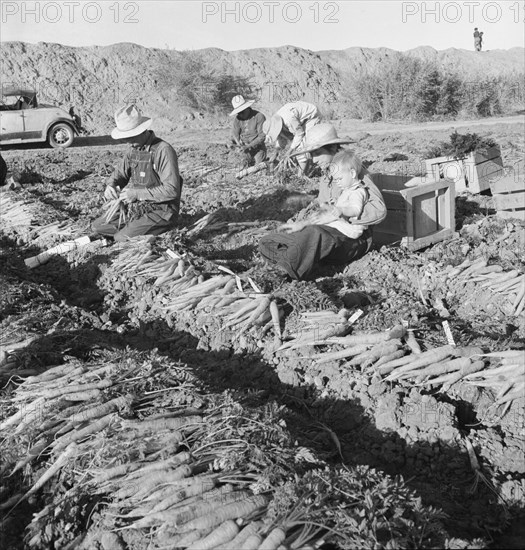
[[480, 41], [247, 130], [477, 40], [147, 180], [289, 125]]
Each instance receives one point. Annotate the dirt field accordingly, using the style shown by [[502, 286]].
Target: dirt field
[[79, 307]]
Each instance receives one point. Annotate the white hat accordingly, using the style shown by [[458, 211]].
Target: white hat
[[273, 127], [240, 104], [319, 136], [129, 122]]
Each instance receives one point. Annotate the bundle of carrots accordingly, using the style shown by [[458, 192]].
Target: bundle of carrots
[[15, 212], [170, 473], [316, 328], [510, 284], [112, 207], [225, 295], [506, 376], [54, 230], [365, 349]]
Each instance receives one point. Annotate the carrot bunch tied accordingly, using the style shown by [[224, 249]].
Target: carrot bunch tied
[[508, 284], [112, 207]]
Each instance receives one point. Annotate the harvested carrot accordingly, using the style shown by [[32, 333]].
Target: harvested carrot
[[276, 321], [388, 358], [242, 537], [275, 538], [94, 428], [61, 461], [368, 357], [199, 487], [336, 355], [173, 423], [177, 460], [412, 342], [423, 360], [251, 543], [474, 367], [442, 367], [234, 510], [224, 533]]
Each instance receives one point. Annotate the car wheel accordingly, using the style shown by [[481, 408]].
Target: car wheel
[[61, 135]]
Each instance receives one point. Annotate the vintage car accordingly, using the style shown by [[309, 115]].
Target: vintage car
[[23, 120]]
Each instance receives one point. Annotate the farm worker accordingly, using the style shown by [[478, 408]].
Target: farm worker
[[323, 143], [147, 180], [247, 130], [477, 40], [340, 233], [288, 127]]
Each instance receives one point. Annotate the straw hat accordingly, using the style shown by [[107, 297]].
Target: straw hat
[[240, 104], [319, 136], [129, 122], [273, 127]]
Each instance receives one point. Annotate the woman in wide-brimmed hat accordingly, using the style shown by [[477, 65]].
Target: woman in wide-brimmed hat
[[247, 131], [322, 144], [147, 180], [289, 125]]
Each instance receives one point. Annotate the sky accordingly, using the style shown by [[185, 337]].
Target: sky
[[314, 25]]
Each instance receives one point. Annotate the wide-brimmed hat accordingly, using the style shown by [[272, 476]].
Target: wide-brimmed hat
[[319, 136], [273, 127], [240, 104], [130, 122]]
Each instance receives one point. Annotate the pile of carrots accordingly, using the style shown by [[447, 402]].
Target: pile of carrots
[[510, 284], [24, 217], [15, 212], [181, 474]]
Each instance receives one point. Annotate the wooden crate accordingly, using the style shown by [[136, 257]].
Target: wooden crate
[[472, 173], [509, 192], [420, 212]]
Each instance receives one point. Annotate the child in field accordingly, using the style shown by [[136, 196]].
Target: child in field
[[340, 233]]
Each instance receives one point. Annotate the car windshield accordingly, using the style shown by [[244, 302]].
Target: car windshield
[[12, 102]]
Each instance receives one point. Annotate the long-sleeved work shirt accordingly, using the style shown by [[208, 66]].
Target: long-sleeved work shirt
[[297, 117], [250, 131], [151, 172]]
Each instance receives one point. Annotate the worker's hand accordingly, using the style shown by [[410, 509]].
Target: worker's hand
[[273, 157], [111, 193], [326, 215], [128, 195], [293, 227]]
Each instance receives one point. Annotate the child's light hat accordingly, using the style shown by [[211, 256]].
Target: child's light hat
[[130, 122], [240, 104], [319, 136]]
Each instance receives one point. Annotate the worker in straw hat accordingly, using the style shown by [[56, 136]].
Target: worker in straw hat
[[247, 131], [147, 181], [287, 128], [322, 144]]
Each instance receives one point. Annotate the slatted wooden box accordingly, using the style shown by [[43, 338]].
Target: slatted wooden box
[[472, 173], [509, 192], [421, 212]]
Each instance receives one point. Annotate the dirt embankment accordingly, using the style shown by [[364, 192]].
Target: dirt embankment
[[99, 79]]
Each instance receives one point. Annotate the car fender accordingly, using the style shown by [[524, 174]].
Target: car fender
[[67, 121]]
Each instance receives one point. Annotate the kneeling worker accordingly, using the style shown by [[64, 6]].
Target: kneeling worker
[[247, 130], [147, 180], [340, 233]]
